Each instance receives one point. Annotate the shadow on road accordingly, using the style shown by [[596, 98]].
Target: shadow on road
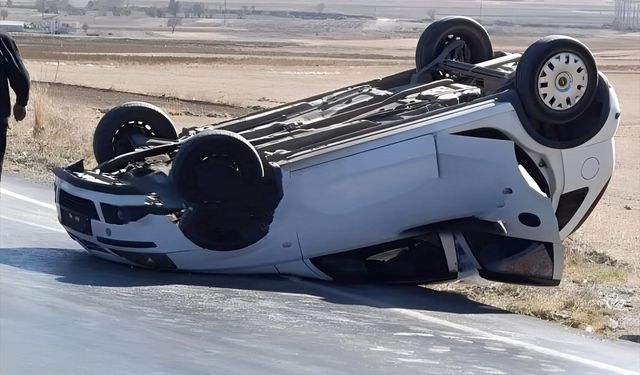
[[79, 268]]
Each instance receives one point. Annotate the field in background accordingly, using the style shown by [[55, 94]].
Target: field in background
[[208, 72], [594, 13]]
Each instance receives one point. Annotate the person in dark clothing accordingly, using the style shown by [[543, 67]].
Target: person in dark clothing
[[14, 74]]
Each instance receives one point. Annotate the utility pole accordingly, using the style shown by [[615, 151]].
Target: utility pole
[[224, 13], [481, 2]]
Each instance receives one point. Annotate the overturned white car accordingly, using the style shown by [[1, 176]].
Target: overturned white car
[[485, 156]]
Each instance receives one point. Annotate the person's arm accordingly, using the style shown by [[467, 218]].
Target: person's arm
[[15, 70]]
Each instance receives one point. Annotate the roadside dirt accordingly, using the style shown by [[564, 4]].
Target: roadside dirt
[[186, 112]]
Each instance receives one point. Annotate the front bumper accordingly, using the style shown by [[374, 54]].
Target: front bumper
[[114, 220]]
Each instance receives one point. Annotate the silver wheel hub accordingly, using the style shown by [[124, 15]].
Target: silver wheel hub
[[563, 81]]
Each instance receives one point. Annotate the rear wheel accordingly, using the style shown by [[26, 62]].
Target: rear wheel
[[438, 35], [128, 126], [556, 79]]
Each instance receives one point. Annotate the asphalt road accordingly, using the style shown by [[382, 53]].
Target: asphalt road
[[65, 312]]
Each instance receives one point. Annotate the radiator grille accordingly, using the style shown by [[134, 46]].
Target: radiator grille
[[77, 204]]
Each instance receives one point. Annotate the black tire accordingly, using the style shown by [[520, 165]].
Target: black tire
[[438, 34], [217, 229], [216, 165], [538, 98], [109, 138]]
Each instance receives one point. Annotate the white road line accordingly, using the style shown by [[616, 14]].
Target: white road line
[[57, 230], [473, 331], [27, 199]]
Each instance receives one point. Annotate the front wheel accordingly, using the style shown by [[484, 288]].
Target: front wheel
[[214, 166], [221, 177], [556, 79], [218, 229]]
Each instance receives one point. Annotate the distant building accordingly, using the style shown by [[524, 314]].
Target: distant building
[[54, 26], [11, 26]]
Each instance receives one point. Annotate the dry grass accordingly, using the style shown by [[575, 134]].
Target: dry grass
[[53, 134], [42, 107], [59, 131], [575, 307], [590, 266], [595, 290]]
